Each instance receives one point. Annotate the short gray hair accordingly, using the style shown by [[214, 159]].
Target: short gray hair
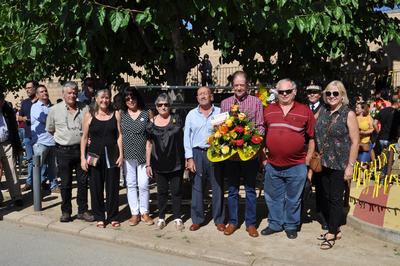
[[163, 97], [71, 85], [294, 86]]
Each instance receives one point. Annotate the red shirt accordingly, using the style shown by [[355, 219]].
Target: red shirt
[[286, 136]]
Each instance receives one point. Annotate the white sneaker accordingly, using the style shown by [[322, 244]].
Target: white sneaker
[[160, 224], [179, 224]]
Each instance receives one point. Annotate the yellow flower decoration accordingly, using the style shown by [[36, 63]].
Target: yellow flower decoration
[[225, 150], [241, 116]]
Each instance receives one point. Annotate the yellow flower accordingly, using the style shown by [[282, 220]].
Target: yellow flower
[[229, 122], [241, 116], [233, 134], [234, 108], [246, 129], [217, 135], [225, 150]]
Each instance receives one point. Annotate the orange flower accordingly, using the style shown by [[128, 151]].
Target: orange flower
[[234, 108], [217, 134], [210, 139], [223, 129]]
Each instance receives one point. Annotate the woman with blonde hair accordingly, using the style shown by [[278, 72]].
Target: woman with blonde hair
[[337, 140]]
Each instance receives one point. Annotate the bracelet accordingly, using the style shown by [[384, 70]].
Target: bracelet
[[148, 166], [351, 164]]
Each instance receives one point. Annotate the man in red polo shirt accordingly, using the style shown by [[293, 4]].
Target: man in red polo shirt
[[289, 125]]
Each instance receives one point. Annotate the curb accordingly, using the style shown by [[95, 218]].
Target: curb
[[381, 233], [118, 237]]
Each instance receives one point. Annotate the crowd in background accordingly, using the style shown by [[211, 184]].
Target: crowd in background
[[96, 137]]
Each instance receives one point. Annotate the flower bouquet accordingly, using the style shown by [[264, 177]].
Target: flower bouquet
[[235, 135]]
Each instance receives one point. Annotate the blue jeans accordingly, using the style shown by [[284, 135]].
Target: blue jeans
[[234, 170], [29, 153], [283, 187], [47, 163]]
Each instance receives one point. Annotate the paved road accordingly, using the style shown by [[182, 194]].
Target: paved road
[[23, 245]]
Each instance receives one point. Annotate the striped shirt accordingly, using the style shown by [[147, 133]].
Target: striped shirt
[[286, 136], [250, 105]]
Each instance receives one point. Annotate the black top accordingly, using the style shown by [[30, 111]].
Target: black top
[[9, 116], [134, 136], [332, 137], [385, 117], [167, 154], [395, 130], [104, 134]]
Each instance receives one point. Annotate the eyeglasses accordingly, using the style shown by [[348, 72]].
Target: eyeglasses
[[162, 104], [285, 92], [334, 93], [313, 92]]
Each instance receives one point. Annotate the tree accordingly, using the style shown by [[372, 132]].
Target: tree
[[311, 39], [75, 38]]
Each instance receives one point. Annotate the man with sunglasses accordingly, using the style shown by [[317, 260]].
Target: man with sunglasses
[[65, 122], [289, 126]]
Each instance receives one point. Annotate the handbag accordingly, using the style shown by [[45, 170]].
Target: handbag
[[316, 162], [92, 159], [316, 157]]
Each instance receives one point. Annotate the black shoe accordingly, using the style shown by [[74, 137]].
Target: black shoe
[[292, 234], [268, 231], [324, 227], [45, 187], [18, 203], [65, 217], [85, 216]]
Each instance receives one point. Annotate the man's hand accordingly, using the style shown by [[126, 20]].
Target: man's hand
[[191, 165]]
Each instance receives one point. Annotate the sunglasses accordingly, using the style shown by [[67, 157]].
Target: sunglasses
[[334, 93], [162, 104], [285, 92], [312, 92], [128, 98]]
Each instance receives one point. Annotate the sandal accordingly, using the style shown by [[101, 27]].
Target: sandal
[[323, 236], [327, 244], [100, 224], [115, 224]]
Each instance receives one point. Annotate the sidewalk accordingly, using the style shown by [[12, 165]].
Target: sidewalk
[[208, 244]]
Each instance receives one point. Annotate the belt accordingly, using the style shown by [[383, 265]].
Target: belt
[[200, 149], [68, 147]]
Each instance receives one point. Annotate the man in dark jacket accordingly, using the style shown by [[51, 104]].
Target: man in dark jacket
[[10, 147]]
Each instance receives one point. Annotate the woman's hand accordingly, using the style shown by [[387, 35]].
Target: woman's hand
[[84, 165], [149, 171], [119, 161], [348, 173]]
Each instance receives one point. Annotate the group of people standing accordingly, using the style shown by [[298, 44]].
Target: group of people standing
[[98, 141]]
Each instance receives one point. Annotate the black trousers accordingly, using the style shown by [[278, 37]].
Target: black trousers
[[98, 177], [173, 182], [333, 185], [68, 159]]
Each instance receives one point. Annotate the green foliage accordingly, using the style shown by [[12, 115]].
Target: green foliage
[[75, 38]]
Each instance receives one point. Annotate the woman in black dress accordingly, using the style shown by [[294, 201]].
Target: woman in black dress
[[102, 126], [165, 158]]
